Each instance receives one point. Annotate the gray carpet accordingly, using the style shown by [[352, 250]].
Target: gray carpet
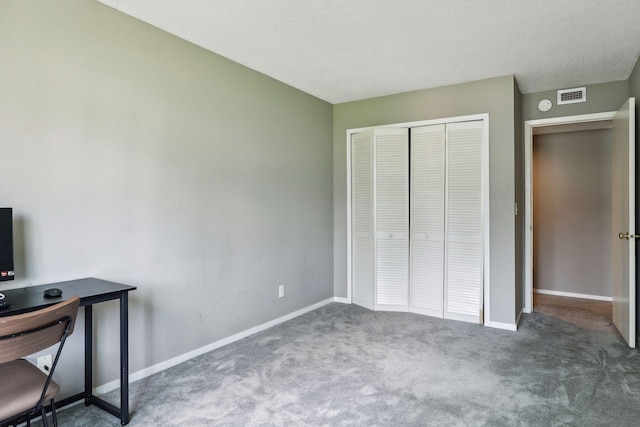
[[342, 365]]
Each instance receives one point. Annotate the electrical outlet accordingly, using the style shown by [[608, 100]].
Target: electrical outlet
[[280, 291], [44, 363]]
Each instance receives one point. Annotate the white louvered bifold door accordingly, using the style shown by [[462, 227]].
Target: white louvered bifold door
[[427, 220], [463, 222], [362, 242], [391, 218]]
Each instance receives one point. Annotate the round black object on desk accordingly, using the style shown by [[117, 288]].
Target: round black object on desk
[[52, 293]]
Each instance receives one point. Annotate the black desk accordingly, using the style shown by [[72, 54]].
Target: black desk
[[91, 291]]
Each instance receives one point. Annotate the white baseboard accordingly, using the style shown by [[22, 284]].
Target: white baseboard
[[341, 300], [572, 295], [143, 373], [500, 325]]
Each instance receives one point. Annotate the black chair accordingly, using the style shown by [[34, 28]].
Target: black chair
[[24, 389]]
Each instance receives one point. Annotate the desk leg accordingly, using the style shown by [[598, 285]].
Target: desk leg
[[124, 358], [88, 354]]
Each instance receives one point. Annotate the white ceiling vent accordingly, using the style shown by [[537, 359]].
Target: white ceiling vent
[[571, 96]]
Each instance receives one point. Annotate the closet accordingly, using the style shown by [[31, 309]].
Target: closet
[[417, 219]]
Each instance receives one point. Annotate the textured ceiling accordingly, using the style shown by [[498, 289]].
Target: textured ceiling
[[345, 50]]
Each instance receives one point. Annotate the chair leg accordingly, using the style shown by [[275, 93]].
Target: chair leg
[[44, 417], [53, 413]]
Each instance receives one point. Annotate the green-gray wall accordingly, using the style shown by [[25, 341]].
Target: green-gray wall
[[572, 212], [634, 81], [131, 155], [518, 137], [601, 97], [494, 96]]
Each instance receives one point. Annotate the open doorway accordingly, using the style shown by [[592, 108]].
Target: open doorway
[[572, 208], [623, 246], [550, 126]]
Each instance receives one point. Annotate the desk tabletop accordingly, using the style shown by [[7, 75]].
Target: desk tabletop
[[90, 290]]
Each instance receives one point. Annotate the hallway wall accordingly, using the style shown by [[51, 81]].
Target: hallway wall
[[572, 212]]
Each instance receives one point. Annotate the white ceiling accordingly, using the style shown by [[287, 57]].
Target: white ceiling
[[345, 50]]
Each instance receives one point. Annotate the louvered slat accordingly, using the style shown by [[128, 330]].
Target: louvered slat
[[427, 220], [392, 182], [362, 244], [463, 246], [427, 277], [464, 278], [464, 181], [391, 272], [392, 217]]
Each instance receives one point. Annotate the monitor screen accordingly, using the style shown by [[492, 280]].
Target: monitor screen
[[6, 244]]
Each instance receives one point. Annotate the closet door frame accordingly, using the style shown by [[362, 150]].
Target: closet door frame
[[486, 258]]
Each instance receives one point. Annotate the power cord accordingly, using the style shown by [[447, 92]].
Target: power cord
[[3, 304]]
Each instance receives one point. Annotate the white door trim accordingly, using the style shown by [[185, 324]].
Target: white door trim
[[485, 197], [529, 125]]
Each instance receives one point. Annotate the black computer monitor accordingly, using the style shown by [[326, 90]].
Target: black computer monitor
[[6, 244]]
